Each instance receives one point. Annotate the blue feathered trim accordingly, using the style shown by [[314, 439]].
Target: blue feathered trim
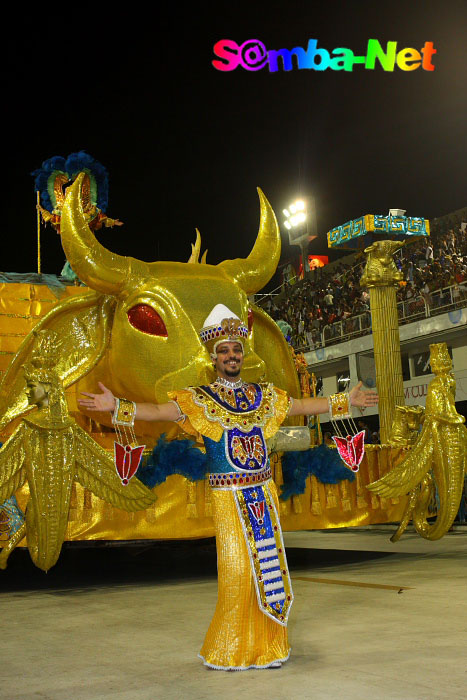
[[322, 462], [174, 457]]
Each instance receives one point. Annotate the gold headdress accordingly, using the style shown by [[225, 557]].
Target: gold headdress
[[440, 360], [42, 368], [44, 358], [220, 326]]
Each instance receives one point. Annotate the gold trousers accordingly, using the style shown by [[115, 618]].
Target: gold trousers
[[240, 636]]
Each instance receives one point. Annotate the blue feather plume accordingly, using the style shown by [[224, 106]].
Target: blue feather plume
[[73, 164], [42, 175], [173, 457], [76, 162], [322, 462]]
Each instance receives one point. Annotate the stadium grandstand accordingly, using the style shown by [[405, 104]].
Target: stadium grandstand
[[327, 315]]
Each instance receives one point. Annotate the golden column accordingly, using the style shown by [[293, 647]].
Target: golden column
[[382, 277]]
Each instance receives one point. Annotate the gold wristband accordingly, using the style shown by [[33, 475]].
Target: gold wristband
[[124, 412], [339, 406]]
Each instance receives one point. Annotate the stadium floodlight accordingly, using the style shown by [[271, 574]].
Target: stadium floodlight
[[295, 215], [297, 222]]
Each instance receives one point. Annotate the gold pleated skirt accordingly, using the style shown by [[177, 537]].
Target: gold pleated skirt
[[240, 636]]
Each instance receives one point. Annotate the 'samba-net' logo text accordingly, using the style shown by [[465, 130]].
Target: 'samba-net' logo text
[[252, 55]]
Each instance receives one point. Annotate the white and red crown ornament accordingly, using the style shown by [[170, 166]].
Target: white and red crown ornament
[[221, 326]]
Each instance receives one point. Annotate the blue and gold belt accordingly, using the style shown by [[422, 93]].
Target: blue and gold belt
[[238, 480]]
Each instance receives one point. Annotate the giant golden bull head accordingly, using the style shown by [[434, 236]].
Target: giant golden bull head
[[138, 331]]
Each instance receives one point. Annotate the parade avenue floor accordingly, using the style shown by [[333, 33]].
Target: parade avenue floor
[[371, 619]]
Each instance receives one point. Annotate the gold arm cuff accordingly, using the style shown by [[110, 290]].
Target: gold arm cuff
[[124, 413], [181, 415], [339, 406]]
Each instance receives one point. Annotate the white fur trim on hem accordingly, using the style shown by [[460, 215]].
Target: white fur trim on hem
[[272, 664]]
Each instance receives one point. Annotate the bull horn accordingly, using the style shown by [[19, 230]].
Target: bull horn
[[96, 266], [255, 271]]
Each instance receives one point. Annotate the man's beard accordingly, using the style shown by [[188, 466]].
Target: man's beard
[[232, 372]]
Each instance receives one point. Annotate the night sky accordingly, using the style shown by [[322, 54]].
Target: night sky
[[186, 145]]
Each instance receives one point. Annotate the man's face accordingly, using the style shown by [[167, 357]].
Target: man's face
[[36, 393], [229, 360]]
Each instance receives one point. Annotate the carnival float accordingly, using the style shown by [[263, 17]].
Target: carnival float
[[133, 326]]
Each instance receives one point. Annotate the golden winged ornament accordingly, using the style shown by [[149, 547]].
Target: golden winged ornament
[[50, 451], [438, 458]]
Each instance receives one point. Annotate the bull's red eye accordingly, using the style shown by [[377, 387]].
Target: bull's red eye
[[146, 319], [250, 320]]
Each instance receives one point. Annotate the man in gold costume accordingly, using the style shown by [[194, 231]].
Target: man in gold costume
[[235, 418]]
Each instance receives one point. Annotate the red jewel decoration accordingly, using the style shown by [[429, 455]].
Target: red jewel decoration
[[222, 482], [288, 597], [275, 527], [247, 479], [280, 551], [228, 482], [284, 571], [125, 413], [241, 481], [254, 556], [146, 319], [265, 605], [235, 481]]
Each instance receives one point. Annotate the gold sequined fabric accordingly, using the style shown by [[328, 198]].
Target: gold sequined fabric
[[240, 636]]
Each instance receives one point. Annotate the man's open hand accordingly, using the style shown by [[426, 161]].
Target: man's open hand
[[362, 399], [98, 402]]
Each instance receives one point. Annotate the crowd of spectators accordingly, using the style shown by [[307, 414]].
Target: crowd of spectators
[[307, 310]]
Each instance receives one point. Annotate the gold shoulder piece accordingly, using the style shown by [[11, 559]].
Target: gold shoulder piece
[[282, 403], [196, 419]]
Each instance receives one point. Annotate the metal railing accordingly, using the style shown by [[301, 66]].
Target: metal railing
[[422, 306]]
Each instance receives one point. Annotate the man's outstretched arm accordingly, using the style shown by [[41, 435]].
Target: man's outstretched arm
[[144, 411], [311, 406]]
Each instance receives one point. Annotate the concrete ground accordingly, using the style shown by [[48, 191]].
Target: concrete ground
[[371, 619]]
